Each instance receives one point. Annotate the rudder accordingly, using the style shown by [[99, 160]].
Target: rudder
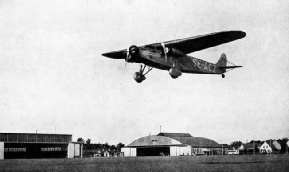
[[222, 62]]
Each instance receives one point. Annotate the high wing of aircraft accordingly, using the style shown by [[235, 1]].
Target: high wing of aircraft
[[172, 55]]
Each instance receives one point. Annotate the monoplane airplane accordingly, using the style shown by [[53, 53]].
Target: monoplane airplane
[[172, 55]]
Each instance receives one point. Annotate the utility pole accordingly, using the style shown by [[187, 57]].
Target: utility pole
[[271, 146], [160, 128], [286, 145], [253, 147]]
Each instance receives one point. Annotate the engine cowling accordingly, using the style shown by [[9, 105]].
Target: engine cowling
[[139, 77], [175, 72], [133, 52]]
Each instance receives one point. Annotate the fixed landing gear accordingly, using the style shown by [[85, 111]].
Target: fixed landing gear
[[223, 75], [140, 76]]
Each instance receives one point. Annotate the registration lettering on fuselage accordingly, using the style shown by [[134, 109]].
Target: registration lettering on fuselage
[[204, 65]]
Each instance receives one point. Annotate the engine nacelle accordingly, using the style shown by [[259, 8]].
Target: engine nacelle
[[175, 72], [138, 77]]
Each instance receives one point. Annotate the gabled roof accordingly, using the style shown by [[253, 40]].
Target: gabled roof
[[186, 138], [198, 142], [175, 134]]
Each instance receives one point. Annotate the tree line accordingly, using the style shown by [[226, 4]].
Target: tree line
[[89, 145]]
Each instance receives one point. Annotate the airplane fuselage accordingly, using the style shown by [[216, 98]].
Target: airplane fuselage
[[185, 63]]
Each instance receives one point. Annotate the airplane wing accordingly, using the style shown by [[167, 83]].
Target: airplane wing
[[197, 43]]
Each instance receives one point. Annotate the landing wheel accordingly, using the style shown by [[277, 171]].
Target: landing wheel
[[140, 76], [223, 75]]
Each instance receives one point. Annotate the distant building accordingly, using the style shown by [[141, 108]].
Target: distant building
[[224, 148], [265, 148], [249, 148], [172, 144], [34, 145], [100, 150], [235, 150]]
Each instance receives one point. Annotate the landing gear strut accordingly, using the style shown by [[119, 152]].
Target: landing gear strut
[[223, 75], [140, 76]]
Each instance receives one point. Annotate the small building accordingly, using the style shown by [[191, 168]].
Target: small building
[[101, 150], [235, 150], [265, 148], [224, 148], [34, 145], [106, 154]]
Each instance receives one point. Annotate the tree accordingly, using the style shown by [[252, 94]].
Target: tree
[[80, 140], [88, 141], [236, 144], [106, 145], [120, 145]]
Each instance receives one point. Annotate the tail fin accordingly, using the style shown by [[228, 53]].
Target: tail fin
[[222, 63]]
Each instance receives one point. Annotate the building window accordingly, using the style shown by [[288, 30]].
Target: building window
[[57, 149], [5, 149], [43, 149], [21, 149], [12, 149], [50, 149]]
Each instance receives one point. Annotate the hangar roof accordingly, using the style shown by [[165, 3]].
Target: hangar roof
[[35, 138], [175, 134], [198, 142], [154, 141]]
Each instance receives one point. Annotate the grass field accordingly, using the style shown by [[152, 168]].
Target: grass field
[[185, 163]]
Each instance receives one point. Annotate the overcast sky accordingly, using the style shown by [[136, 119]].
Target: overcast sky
[[54, 79]]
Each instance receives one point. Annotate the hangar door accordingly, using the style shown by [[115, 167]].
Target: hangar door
[[154, 151]]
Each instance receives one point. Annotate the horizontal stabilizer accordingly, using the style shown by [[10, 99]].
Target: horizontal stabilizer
[[230, 67]]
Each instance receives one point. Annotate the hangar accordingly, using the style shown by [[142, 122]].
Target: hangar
[[33, 145], [172, 144]]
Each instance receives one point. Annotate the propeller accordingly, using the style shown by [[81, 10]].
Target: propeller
[[165, 51], [131, 52], [127, 57]]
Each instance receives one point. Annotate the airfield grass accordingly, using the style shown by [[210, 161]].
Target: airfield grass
[[183, 163]]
